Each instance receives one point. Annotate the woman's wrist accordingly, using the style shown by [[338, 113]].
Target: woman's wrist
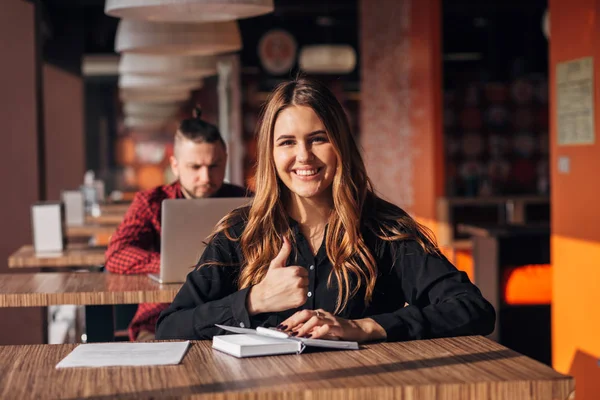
[[372, 330], [253, 302]]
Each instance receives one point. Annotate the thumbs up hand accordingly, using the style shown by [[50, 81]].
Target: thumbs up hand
[[281, 258], [283, 287]]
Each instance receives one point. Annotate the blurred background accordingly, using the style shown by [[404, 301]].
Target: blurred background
[[454, 104]]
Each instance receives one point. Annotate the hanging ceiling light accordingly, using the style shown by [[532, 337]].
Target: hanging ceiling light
[[158, 95], [146, 123], [152, 82], [328, 59], [100, 65], [143, 109], [160, 65], [144, 37], [187, 10]]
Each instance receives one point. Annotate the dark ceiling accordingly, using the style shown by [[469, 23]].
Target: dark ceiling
[[298, 16], [502, 31]]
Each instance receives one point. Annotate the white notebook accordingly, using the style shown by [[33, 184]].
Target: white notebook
[[269, 341], [124, 354]]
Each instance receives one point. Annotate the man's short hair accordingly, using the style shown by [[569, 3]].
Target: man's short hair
[[198, 130]]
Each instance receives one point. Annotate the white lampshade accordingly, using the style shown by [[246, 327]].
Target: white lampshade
[[187, 10], [161, 95], [149, 82], [143, 109], [164, 38], [146, 123], [328, 59], [175, 66]]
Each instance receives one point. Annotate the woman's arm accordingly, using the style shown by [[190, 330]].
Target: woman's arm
[[442, 302], [209, 296]]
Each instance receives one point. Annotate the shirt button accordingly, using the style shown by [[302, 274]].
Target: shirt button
[[309, 294], [311, 267], [242, 325]]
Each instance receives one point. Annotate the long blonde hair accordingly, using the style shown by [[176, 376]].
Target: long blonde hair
[[267, 221]]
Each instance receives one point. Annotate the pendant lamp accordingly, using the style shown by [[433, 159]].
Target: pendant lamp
[[142, 109], [327, 59], [150, 82], [163, 38], [146, 95], [175, 66], [187, 10], [146, 123]]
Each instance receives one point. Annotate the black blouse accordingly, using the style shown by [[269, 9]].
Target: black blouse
[[441, 300]]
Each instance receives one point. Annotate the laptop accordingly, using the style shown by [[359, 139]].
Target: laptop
[[185, 226]]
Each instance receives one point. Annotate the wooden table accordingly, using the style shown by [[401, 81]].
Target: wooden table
[[75, 255], [97, 291], [90, 288], [104, 219], [88, 230], [458, 368], [114, 208]]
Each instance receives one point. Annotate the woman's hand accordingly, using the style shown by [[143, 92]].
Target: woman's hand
[[322, 324], [283, 287]]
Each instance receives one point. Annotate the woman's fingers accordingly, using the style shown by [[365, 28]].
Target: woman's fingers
[[298, 318], [307, 322], [327, 331], [309, 325]]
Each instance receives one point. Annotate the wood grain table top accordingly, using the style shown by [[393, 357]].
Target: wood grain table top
[[104, 219], [111, 208], [75, 255], [87, 288], [447, 369], [88, 230]]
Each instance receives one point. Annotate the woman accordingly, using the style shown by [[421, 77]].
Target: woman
[[318, 254]]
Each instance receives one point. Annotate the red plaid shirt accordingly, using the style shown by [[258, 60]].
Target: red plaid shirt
[[135, 247]]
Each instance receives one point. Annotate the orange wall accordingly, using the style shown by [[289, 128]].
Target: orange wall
[[18, 156], [401, 117], [63, 115], [575, 33]]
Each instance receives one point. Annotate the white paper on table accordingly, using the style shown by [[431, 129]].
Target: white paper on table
[[125, 354]]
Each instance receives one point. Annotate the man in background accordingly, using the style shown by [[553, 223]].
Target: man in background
[[199, 161]]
